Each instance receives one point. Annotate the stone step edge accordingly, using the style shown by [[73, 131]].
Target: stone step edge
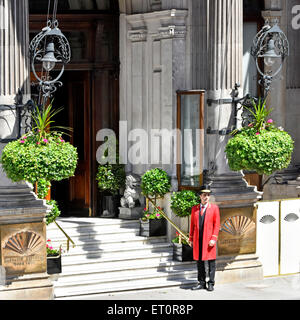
[[135, 287], [93, 223], [120, 258], [133, 266], [156, 275], [157, 246], [109, 240]]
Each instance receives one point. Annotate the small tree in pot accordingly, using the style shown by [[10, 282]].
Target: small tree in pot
[[155, 184], [181, 205], [110, 178]]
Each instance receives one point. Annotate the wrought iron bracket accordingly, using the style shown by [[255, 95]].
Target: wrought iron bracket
[[22, 115]]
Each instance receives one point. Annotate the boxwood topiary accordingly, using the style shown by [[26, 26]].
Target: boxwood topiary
[[155, 183], [183, 201]]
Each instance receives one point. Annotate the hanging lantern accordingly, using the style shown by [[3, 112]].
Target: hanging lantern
[[271, 45], [51, 50]]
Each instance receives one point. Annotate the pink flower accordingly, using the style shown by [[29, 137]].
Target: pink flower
[[257, 133], [45, 140], [24, 137], [38, 143], [22, 141], [270, 121], [148, 215], [62, 140], [158, 215]]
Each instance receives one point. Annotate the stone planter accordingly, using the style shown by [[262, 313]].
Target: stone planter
[[54, 264], [182, 252], [153, 227]]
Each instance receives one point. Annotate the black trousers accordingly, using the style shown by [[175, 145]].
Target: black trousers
[[211, 271]]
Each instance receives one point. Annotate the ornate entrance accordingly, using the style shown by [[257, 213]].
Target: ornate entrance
[[89, 94]]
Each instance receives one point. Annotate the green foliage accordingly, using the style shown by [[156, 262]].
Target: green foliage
[[111, 177], [260, 146], [155, 183], [260, 113], [155, 214], [42, 188], [54, 213], [34, 157], [183, 201], [176, 239], [43, 120], [266, 152]]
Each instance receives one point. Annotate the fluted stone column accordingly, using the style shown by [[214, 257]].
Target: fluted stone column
[[225, 54], [14, 72], [21, 213]]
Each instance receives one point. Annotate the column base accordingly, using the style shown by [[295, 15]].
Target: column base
[[28, 287], [284, 185], [238, 268], [231, 191]]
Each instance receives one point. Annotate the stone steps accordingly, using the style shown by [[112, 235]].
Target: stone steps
[[110, 256]]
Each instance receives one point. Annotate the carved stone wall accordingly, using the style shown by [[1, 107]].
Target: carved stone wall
[[153, 67]]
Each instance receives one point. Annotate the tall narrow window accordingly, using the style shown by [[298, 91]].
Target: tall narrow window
[[190, 140]]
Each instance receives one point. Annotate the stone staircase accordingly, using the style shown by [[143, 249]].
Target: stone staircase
[[110, 256]]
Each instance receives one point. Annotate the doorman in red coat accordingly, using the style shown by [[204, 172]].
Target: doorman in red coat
[[204, 230]]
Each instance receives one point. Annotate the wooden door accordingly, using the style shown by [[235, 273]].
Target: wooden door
[[78, 112]]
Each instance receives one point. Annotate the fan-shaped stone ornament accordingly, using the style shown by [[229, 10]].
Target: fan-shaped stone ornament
[[238, 226], [24, 243]]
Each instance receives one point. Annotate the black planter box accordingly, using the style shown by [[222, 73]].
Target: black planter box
[[54, 264], [153, 227], [182, 252]]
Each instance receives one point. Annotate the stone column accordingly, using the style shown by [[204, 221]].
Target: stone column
[[14, 74], [237, 259], [22, 226], [225, 53]]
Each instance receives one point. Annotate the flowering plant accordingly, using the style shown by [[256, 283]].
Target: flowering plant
[[51, 252], [179, 239], [260, 146], [155, 214], [40, 154]]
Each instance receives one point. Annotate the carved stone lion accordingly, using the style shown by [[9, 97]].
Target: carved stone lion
[[132, 193]]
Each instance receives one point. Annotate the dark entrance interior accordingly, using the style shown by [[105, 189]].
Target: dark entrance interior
[[89, 94]]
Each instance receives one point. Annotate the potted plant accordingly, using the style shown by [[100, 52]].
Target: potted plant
[[111, 179], [155, 184], [260, 146], [181, 249], [53, 259], [41, 154], [181, 205], [153, 223]]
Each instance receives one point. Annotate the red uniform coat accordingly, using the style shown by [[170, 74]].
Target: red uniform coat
[[211, 229]]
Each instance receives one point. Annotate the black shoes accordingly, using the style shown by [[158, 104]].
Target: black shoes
[[210, 287], [200, 286]]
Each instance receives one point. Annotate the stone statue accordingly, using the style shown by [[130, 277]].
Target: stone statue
[[132, 193]]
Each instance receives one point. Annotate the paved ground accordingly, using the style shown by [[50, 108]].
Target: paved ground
[[275, 288]]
